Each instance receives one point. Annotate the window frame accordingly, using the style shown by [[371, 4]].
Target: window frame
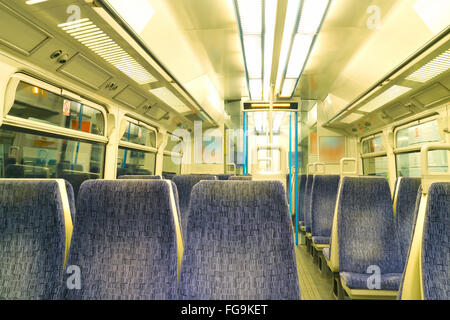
[[135, 146], [373, 155], [10, 95]]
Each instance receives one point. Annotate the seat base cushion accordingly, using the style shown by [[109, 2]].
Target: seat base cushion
[[388, 281]]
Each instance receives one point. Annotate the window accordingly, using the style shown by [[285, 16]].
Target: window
[[28, 154], [375, 162], [137, 150], [408, 141], [171, 165], [40, 105]]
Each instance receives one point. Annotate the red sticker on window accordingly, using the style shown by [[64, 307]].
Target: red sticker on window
[[66, 108], [140, 132]]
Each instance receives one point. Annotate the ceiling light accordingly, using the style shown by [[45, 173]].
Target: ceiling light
[[387, 96], [99, 42], [270, 14], [288, 87], [255, 89], [167, 96], [352, 118], [137, 13], [432, 69], [296, 48], [31, 2], [252, 48]]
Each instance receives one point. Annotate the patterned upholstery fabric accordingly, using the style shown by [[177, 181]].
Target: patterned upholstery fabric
[[32, 240], [301, 198], [321, 240], [148, 177], [184, 184], [323, 202], [404, 212], [307, 203], [124, 241], [240, 243], [223, 176], [436, 243], [389, 281], [366, 229], [240, 178]]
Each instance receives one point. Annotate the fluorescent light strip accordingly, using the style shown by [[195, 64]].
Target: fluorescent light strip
[[311, 17], [288, 87], [250, 13], [167, 96], [432, 69], [255, 89], [96, 40], [31, 2], [253, 55], [352, 118], [387, 96], [270, 15], [299, 54]]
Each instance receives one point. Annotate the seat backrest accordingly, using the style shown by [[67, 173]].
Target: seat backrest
[[248, 178], [435, 257], [34, 228], [239, 243], [184, 184], [124, 242], [76, 178], [365, 226], [323, 202], [223, 176], [307, 202], [404, 206], [140, 177]]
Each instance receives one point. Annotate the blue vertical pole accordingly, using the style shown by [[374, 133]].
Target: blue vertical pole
[[296, 178], [290, 164], [243, 141], [80, 119], [126, 150], [246, 145]]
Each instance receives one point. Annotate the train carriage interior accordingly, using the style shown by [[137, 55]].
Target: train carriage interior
[[224, 150]]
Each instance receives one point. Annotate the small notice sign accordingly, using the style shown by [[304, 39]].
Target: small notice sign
[[139, 132], [66, 108]]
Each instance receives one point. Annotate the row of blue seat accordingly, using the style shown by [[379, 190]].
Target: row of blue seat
[[125, 245], [352, 219]]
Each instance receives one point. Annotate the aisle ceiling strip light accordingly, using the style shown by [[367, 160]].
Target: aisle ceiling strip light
[[299, 35]]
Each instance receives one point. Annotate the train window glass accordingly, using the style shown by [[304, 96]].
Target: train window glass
[[418, 134], [139, 134], [26, 154], [376, 166], [135, 162], [37, 104], [171, 164], [373, 145], [173, 142], [408, 164]]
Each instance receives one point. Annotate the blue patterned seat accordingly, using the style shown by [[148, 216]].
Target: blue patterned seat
[[404, 208], [323, 202], [223, 176], [184, 184], [436, 244], [367, 235], [148, 177], [32, 239], [239, 243], [124, 241], [307, 203]]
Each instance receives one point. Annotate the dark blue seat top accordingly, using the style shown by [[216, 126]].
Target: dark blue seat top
[[307, 202], [124, 241], [140, 177], [367, 235], [239, 243], [436, 243], [32, 240], [407, 189], [184, 184], [223, 176], [76, 179], [323, 202]]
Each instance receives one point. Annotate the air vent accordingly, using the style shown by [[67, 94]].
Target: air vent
[[432, 69], [397, 111], [20, 34], [86, 32], [155, 112], [130, 97], [84, 70]]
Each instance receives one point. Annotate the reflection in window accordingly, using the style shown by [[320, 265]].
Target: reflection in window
[[34, 103], [173, 143], [171, 165], [373, 145], [135, 162], [25, 154], [139, 135], [418, 134], [377, 166], [408, 164]]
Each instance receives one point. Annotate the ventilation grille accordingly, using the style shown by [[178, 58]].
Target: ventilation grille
[[91, 36], [432, 69]]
